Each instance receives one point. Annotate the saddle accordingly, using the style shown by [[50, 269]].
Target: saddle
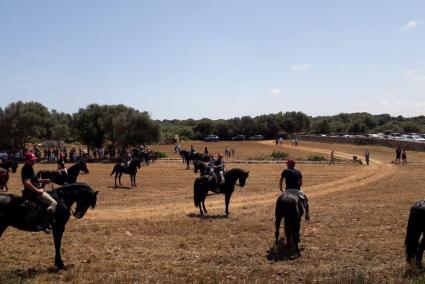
[[35, 211]]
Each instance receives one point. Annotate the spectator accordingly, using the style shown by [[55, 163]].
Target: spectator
[[367, 156], [332, 159], [404, 156], [398, 155]]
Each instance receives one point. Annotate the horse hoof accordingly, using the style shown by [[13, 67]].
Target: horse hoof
[[60, 266]]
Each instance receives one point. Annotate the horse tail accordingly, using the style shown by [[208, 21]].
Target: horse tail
[[412, 235], [114, 169], [197, 192]]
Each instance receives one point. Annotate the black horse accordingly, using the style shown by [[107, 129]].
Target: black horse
[[188, 156], [146, 157], [415, 229], [17, 212], [131, 170], [206, 183], [62, 179], [9, 164], [290, 205], [199, 166]]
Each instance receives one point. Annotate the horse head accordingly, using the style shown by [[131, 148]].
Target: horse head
[[14, 166], [242, 178], [237, 174], [83, 195], [83, 167], [196, 166], [137, 163]]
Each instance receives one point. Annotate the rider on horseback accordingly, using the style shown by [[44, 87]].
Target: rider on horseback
[[293, 177], [61, 167], [294, 180], [33, 188]]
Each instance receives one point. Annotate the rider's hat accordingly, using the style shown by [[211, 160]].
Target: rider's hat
[[290, 162], [30, 156], [220, 155]]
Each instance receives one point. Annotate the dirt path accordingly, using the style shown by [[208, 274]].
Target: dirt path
[[363, 176]]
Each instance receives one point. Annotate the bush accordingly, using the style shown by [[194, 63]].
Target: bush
[[316, 158], [160, 154], [279, 154]]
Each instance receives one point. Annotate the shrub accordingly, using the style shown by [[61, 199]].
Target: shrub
[[279, 154], [316, 158], [161, 154]]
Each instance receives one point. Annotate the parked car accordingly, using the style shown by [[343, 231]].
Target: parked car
[[256, 137], [211, 138], [239, 138]]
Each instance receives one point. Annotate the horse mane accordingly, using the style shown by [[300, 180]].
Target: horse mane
[[235, 171], [68, 187]]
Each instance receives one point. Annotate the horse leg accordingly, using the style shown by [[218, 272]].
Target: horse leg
[[227, 201], [420, 252], [203, 205], [119, 178], [187, 164], [278, 220], [134, 177], [57, 236], [2, 229], [116, 174]]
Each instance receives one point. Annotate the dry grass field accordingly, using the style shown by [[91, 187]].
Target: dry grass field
[[153, 234]]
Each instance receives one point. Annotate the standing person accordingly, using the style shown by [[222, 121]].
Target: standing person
[[332, 159], [367, 156], [277, 141], [206, 151], [233, 151], [293, 177], [32, 187], [398, 155], [404, 156]]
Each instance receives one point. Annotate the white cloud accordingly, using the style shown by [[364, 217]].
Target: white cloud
[[415, 76], [275, 92], [396, 107], [410, 73], [410, 25], [301, 67]]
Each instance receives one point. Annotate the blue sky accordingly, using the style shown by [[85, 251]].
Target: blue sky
[[217, 59]]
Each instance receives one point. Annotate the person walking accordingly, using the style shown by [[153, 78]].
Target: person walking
[[332, 159], [367, 156]]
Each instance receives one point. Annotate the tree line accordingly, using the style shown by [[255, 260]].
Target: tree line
[[95, 125], [274, 125], [121, 126]]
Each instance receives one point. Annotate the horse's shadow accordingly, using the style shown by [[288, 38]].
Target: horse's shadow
[[119, 187], [23, 275], [281, 252], [207, 217]]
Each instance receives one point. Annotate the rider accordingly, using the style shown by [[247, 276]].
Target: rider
[[293, 177], [210, 167], [62, 170], [192, 150], [219, 168], [33, 187]]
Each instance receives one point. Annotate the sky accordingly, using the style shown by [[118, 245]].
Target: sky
[[215, 59]]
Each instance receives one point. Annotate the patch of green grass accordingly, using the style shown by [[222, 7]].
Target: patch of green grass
[[316, 158], [276, 154]]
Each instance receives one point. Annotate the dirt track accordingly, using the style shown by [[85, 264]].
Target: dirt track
[[154, 233]]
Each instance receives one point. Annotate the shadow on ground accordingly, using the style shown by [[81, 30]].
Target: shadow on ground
[[208, 217]]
